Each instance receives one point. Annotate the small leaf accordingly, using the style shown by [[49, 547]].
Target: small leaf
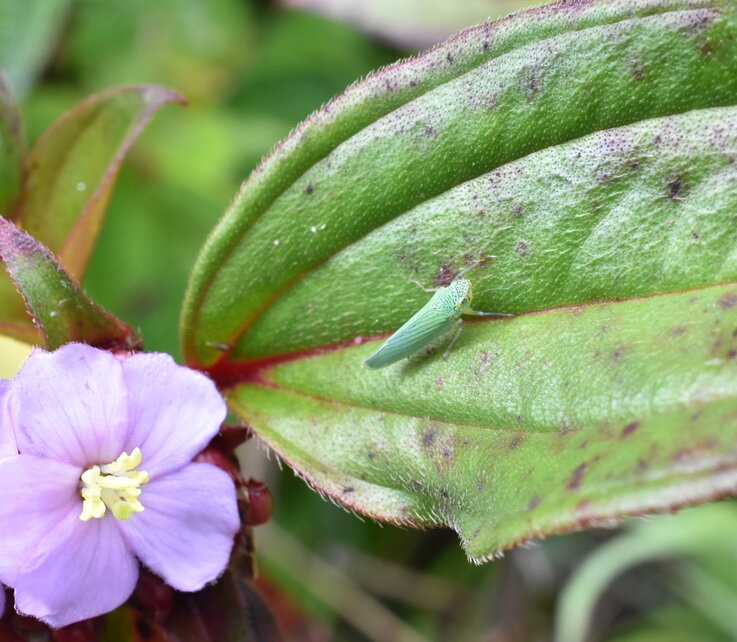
[[57, 305], [73, 167], [11, 151], [590, 148]]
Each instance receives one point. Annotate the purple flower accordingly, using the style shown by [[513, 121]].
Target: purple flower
[[102, 474]]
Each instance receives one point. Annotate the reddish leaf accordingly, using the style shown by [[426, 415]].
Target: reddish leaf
[[58, 306], [72, 169]]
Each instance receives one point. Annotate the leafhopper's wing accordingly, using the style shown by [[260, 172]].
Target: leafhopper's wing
[[429, 323]]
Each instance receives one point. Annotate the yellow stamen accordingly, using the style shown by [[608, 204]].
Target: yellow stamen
[[115, 486]]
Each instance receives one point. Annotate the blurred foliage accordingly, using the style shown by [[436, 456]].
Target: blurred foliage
[[416, 23], [251, 73]]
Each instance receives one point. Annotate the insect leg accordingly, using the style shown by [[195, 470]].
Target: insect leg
[[465, 309], [473, 265], [417, 283], [459, 327]]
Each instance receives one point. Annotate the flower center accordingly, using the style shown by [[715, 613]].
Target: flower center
[[115, 486]]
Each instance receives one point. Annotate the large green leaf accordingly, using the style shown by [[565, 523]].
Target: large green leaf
[[590, 148]]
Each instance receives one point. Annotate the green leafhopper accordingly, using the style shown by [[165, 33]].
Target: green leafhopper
[[441, 313]]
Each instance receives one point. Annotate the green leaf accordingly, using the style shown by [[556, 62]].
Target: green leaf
[[694, 533], [12, 150], [28, 30], [73, 167], [591, 149], [59, 308]]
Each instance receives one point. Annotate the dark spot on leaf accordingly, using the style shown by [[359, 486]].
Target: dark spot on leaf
[[480, 485], [522, 247], [445, 276], [732, 354], [517, 210], [447, 453], [535, 501], [515, 442], [630, 428], [444, 493], [618, 353], [449, 58], [695, 234], [728, 301], [706, 48], [641, 467], [429, 437], [485, 46], [347, 490], [371, 455], [675, 188], [574, 482], [638, 70], [531, 81], [431, 132], [309, 189], [679, 330]]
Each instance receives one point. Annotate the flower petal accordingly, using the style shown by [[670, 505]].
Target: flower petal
[[7, 435], [185, 532], [70, 405], [173, 411], [39, 503], [89, 573]]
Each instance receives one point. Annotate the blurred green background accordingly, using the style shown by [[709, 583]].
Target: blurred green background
[[251, 71]]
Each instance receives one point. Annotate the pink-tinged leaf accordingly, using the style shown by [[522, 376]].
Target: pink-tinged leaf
[[11, 150], [58, 306], [72, 169], [410, 23]]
